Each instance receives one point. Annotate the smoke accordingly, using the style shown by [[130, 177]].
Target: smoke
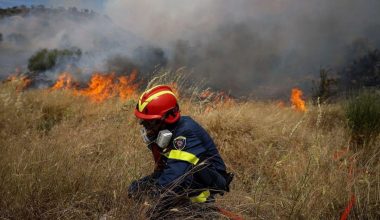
[[252, 46], [247, 47], [95, 35]]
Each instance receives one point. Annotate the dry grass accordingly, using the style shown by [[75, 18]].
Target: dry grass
[[64, 157]]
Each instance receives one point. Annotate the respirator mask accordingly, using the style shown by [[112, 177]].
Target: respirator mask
[[151, 132], [162, 140]]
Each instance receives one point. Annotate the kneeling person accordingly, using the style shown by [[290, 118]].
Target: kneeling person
[[187, 161]]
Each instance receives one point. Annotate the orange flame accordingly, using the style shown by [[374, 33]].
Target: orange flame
[[127, 87], [100, 87], [23, 82], [297, 102], [65, 81]]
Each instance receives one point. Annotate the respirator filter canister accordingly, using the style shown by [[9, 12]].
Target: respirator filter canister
[[163, 138]]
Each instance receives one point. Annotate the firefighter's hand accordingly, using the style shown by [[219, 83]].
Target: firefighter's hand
[[145, 186], [154, 193]]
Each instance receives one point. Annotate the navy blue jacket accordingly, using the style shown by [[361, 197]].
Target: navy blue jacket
[[188, 137]]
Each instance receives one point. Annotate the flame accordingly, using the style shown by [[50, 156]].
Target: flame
[[23, 82], [297, 102], [65, 81], [101, 86], [127, 87]]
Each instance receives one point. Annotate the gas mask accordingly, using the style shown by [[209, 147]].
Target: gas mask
[[162, 140]]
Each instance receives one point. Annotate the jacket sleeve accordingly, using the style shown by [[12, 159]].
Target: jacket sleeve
[[180, 161]]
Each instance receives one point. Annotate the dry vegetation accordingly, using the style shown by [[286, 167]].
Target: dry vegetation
[[64, 157]]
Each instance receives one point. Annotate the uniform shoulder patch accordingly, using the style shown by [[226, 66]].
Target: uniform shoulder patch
[[179, 142]]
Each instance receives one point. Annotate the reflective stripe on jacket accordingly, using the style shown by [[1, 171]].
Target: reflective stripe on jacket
[[197, 147]]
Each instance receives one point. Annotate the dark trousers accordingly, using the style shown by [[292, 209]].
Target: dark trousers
[[194, 182]]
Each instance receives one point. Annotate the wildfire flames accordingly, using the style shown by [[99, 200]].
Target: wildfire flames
[[297, 102], [100, 86], [65, 81], [104, 86], [22, 81]]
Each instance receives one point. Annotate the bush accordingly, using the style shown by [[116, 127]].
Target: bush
[[363, 114], [363, 72], [324, 89], [46, 59]]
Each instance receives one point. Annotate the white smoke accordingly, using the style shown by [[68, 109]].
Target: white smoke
[[94, 34]]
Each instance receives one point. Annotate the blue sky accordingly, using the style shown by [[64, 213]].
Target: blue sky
[[96, 5]]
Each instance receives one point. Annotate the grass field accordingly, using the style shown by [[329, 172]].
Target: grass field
[[65, 157]]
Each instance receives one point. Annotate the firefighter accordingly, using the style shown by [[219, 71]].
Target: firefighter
[[187, 162]]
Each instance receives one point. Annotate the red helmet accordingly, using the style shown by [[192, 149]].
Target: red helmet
[[158, 102]]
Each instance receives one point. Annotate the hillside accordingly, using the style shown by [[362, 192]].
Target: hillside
[[24, 11]]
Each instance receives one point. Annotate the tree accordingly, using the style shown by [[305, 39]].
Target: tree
[[363, 72], [325, 88], [46, 59]]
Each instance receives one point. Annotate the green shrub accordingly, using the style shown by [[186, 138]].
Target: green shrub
[[324, 89], [363, 114], [362, 72], [46, 59]]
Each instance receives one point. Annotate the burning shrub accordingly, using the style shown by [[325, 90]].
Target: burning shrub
[[21, 82], [46, 59], [363, 114], [101, 86]]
